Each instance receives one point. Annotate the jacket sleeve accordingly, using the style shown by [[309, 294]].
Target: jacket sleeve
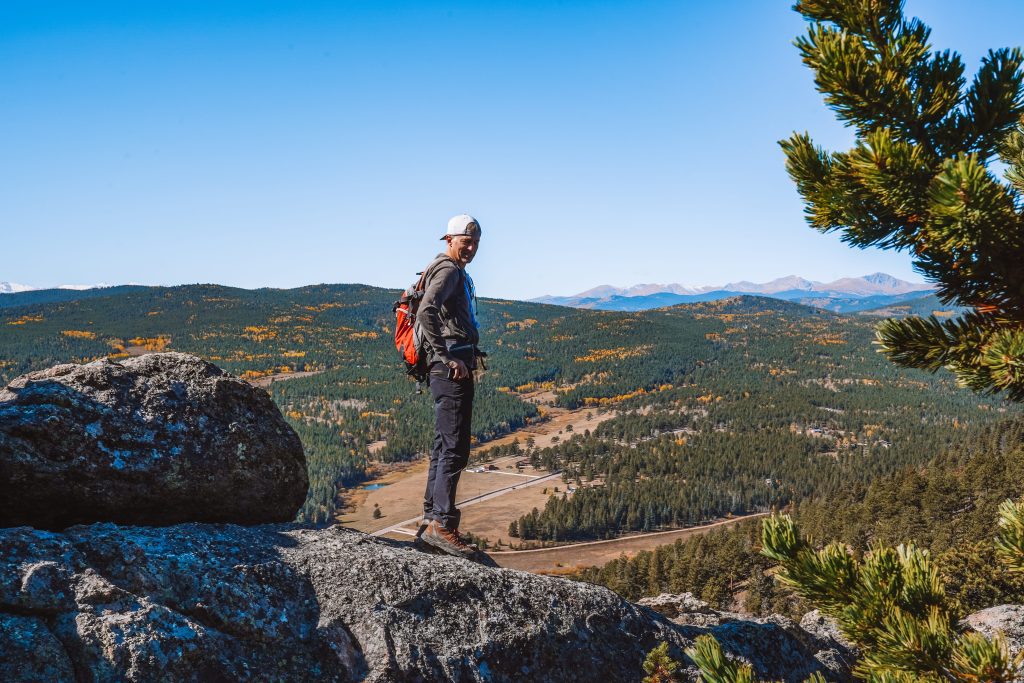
[[439, 288]]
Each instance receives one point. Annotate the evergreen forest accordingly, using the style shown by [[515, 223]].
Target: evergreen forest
[[724, 407], [946, 505]]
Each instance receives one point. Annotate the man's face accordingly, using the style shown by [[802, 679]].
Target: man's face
[[463, 248]]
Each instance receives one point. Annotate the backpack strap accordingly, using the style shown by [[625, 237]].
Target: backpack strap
[[421, 284]]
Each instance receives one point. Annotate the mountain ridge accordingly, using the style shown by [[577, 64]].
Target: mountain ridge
[[14, 288], [17, 287], [845, 295], [875, 283]]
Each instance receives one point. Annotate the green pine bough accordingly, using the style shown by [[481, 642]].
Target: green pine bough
[[715, 667], [890, 604], [1010, 541], [919, 179], [659, 665]]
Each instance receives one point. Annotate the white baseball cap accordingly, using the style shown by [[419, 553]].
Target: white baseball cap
[[463, 224]]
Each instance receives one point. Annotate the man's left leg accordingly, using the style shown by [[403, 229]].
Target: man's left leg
[[428, 494], [453, 405], [462, 448]]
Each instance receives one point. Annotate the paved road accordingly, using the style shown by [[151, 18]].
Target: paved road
[[397, 528]]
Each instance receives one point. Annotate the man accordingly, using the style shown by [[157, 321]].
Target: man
[[449, 329]]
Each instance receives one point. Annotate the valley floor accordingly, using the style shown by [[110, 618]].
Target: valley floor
[[493, 498]]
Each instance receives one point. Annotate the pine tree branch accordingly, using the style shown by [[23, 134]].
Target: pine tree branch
[[893, 606], [1004, 358], [995, 101], [1010, 539], [1011, 152], [930, 344], [714, 666], [918, 178]]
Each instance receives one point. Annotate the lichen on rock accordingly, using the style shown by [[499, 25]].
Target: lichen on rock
[[163, 438], [199, 602]]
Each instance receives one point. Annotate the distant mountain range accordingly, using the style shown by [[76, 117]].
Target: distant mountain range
[[845, 295], [14, 287]]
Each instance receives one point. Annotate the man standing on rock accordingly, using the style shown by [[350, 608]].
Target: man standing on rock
[[449, 328]]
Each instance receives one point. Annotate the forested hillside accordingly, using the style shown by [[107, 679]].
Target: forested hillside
[[46, 296], [923, 306], [728, 406], [793, 402], [948, 505]]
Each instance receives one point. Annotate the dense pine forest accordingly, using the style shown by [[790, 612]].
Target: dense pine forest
[[720, 407], [792, 403], [947, 505]]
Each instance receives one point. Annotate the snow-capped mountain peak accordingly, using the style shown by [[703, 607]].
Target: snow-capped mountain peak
[[14, 288], [782, 284]]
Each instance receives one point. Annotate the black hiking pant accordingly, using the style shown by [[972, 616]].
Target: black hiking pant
[[449, 455]]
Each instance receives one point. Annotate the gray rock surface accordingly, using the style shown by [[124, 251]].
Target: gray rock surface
[[158, 439], [779, 639], [815, 644], [686, 610], [836, 651], [203, 602], [1007, 620]]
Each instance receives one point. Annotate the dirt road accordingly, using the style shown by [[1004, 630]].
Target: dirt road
[[597, 553], [408, 526], [267, 380]]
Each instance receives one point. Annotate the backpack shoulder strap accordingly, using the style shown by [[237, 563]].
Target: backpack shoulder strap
[[421, 284]]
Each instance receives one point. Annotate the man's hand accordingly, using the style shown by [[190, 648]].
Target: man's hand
[[458, 369]]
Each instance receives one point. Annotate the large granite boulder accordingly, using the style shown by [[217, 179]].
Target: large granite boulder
[[199, 602], [158, 439]]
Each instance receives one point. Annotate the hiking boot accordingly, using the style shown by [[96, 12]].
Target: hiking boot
[[447, 540], [424, 523], [473, 546]]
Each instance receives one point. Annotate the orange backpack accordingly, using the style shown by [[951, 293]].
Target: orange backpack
[[408, 341]]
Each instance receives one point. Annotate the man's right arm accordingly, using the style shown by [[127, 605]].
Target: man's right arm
[[439, 287]]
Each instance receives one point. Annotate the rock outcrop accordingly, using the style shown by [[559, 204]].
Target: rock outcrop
[[836, 650], [686, 610], [158, 439], [198, 602], [1004, 620], [816, 638]]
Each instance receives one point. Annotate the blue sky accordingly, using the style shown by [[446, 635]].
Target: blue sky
[[288, 143]]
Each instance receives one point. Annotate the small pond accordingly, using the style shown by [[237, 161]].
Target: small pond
[[372, 487]]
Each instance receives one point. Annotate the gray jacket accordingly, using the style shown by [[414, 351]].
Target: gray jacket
[[446, 312]]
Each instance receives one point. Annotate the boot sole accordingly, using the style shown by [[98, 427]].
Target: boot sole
[[443, 545]]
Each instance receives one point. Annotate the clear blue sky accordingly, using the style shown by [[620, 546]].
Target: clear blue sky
[[283, 143]]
